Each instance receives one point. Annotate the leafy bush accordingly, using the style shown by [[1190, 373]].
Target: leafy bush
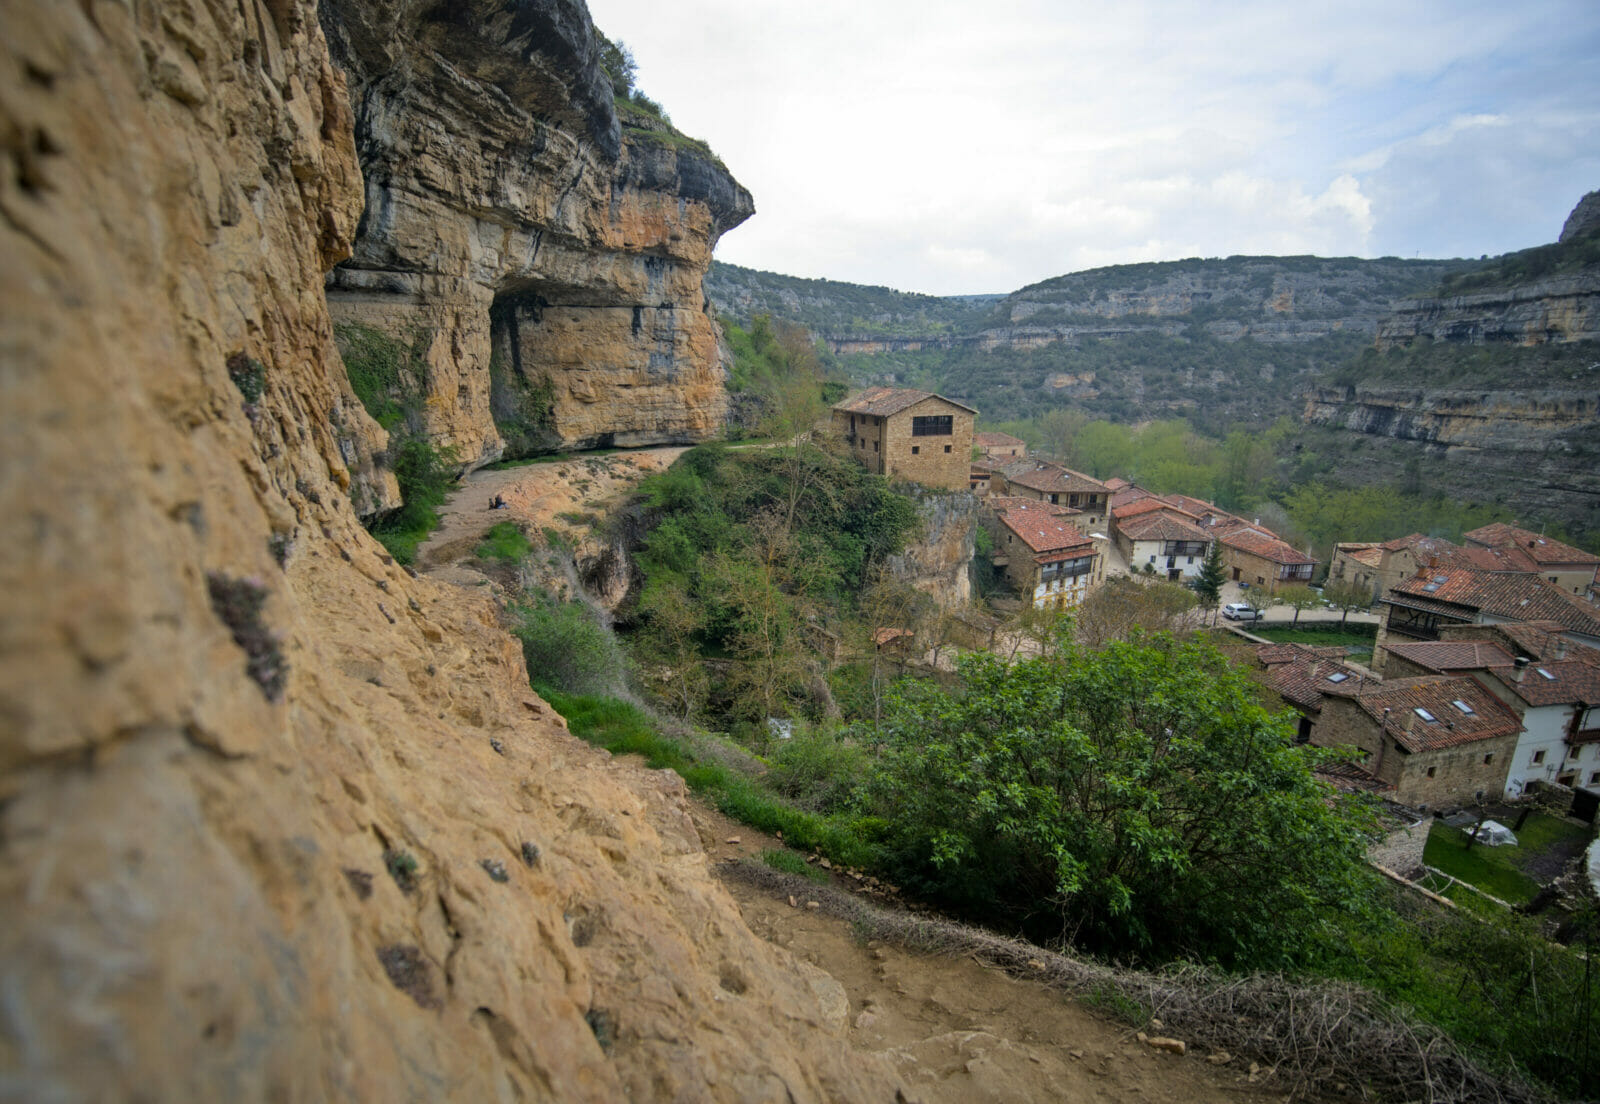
[[1136, 799], [791, 863], [387, 374], [425, 475], [566, 647], [819, 770]]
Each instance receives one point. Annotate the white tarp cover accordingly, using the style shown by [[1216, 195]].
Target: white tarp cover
[[1495, 834]]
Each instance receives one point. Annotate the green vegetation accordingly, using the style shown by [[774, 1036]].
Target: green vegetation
[[1492, 980], [565, 647], [1136, 799], [425, 474], [1499, 870], [523, 409], [1500, 365], [749, 555], [832, 307], [1327, 634], [779, 379], [504, 541], [1526, 265], [791, 863]]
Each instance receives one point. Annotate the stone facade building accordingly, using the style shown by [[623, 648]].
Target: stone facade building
[[906, 434], [1435, 741], [1434, 600], [1000, 448], [1572, 569], [1254, 555], [1043, 555], [1045, 481]]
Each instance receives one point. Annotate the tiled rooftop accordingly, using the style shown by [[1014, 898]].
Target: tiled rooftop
[[1545, 551], [1260, 542], [880, 402], [1453, 655], [1042, 528], [1162, 526], [1041, 475], [1518, 597], [1485, 716]]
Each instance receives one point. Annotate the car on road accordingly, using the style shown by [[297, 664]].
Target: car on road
[[1241, 611]]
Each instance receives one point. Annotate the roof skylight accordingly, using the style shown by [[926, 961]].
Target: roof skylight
[[1338, 676], [1425, 715], [1545, 673], [1463, 706]]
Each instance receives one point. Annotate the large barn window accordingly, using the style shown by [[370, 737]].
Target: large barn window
[[932, 425]]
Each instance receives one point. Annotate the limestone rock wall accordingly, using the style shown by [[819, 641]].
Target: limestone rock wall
[[1556, 310], [1536, 451], [551, 258], [277, 820], [938, 561]]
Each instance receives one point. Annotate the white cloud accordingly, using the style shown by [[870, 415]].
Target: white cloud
[[942, 147]]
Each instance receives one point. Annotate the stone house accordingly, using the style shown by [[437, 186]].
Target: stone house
[[1045, 481], [906, 434], [1572, 569], [1046, 558], [1379, 566], [1436, 741], [1423, 606], [1254, 555], [1299, 674], [1000, 448], [1550, 683]]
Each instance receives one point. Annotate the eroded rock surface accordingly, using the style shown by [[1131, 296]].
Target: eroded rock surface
[[278, 820], [547, 258]]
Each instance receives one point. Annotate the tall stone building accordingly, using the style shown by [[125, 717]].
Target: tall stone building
[[908, 434]]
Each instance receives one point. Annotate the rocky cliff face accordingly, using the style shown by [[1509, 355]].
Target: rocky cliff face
[[277, 820], [1535, 451], [548, 258], [1557, 310], [939, 561]]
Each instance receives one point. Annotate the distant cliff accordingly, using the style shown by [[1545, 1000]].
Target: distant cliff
[[544, 254]]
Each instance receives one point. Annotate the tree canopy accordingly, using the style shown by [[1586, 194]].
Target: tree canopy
[[1138, 800]]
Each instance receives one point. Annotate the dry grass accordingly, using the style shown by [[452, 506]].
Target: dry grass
[[1310, 1039]]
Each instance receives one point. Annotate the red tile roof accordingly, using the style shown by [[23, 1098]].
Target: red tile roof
[[1127, 494], [1516, 597], [1303, 675], [1453, 655], [1349, 777], [1167, 525], [1394, 704], [1260, 542], [997, 440], [1545, 551], [1142, 506], [1554, 682], [1542, 639], [880, 402], [1041, 475], [1042, 529]]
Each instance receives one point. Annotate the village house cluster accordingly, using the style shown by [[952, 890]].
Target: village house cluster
[[1485, 675]]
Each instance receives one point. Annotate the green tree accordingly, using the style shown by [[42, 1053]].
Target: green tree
[[1208, 584], [1138, 798], [1299, 597], [1122, 606], [1103, 449]]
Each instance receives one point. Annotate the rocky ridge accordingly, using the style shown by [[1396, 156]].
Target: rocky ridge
[[547, 255], [277, 819]]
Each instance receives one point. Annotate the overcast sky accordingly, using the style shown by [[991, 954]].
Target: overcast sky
[[980, 146]]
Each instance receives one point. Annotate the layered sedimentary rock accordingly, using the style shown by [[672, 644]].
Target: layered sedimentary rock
[[1556, 310], [277, 820], [1535, 451], [548, 258]]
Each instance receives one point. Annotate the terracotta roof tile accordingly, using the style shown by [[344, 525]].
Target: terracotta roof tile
[[1041, 475], [1304, 675], [881, 402], [1488, 718], [1513, 596], [1545, 551], [1349, 777], [997, 440], [1453, 655], [1042, 528], [1554, 682], [1163, 526], [1260, 542]]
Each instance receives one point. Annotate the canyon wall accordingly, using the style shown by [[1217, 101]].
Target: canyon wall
[[1556, 310], [1537, 452], [938, 560], [546, 257], [277, 819]]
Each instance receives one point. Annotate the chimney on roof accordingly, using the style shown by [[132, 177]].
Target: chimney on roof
[[1520, 668], [1560, 649], [1411, 719]]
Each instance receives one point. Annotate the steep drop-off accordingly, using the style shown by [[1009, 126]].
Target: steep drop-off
[[278, 820], [548, 258]]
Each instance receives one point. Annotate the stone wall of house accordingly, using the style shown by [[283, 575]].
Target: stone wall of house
[[938, 461], [1458, 773], [866, 437]]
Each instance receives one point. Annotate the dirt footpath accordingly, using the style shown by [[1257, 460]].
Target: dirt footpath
[[538, 495], [961, 1031]]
